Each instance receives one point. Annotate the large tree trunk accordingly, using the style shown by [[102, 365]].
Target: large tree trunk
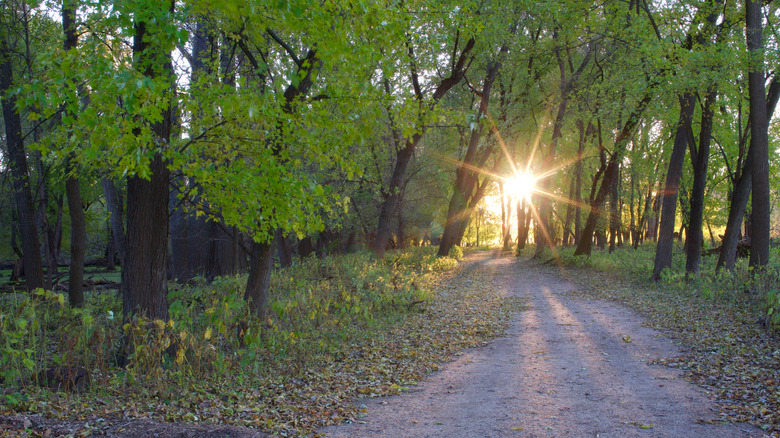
[[17, 162], [759, 139], [144, 274], [663, 252], [699, 158], [256, 292], [78, 230], [741, 194]]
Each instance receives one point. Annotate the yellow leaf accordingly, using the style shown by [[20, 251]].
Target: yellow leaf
[[516, 428], [207, 335]]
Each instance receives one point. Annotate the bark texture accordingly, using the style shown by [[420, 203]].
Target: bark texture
[[144, 274], [759, 138], [78, 230], [663, 251], [17, 162]]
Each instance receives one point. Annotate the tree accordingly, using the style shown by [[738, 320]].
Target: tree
[[33, 266], [424, 104], [759, 140], [72, 188], [144, 274]]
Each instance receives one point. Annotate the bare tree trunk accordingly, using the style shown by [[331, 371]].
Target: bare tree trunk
[[78, 230], [17, 162], [741, 194], [759, 137], [663, 252], [699, 157], [256, 292], [144, 274]]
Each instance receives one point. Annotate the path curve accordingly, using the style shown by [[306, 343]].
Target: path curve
[[567, 367]]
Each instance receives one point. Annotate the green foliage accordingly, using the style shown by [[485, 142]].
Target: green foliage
[[40, 331], [455, 252], [314, 306]]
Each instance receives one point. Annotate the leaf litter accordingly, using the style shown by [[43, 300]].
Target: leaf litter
[[728, 352], [291, 398]]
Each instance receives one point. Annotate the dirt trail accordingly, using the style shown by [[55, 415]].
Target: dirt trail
[[567, 367]]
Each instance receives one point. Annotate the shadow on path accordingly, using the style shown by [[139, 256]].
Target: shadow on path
[[567, 367]]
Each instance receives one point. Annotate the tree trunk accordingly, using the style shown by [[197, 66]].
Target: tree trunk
[[578, 183], [256, 292], [663, 252], [180, 233], [114, 205], [390, 205], [404, 155], [741, 194], [284, 250], [17, 162], [611, 174], [567, 229], [614, 225], [466, 178], [522, 226], [78, 240], [505, 233], [699, 158], [78, 230], [144, 274], [759, 137]]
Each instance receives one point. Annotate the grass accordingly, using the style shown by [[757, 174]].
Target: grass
[[338, 328], [723, 321]]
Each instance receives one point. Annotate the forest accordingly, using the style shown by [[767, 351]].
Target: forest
[[200, 194]]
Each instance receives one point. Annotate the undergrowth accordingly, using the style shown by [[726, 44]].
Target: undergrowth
[[336, 328], [728, 321]]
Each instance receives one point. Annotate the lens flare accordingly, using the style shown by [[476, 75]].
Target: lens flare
[[520, 186]]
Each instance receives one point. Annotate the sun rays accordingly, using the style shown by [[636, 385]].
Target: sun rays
[[523, 182]]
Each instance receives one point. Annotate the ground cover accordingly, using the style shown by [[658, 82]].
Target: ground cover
[[338, 329]]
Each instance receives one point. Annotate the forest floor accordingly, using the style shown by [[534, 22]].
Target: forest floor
[[569, 365], [567, 361]]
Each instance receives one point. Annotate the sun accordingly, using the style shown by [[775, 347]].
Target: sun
[[520, 186]]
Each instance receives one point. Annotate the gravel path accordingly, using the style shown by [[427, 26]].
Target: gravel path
[[567, 367]]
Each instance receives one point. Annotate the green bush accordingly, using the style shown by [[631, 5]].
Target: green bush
[[456, 252]]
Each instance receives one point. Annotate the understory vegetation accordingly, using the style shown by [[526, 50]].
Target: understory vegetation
[[338, 328], [727, 323]]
